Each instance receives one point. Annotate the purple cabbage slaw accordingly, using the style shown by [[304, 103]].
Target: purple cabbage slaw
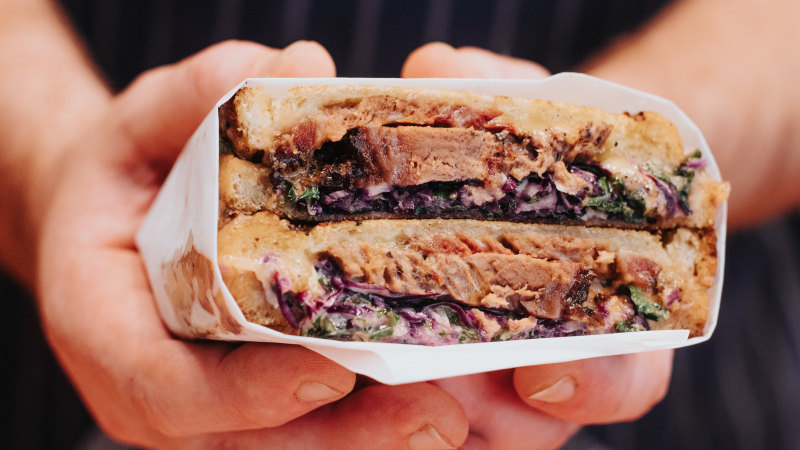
[[348, 302], [530, 198]]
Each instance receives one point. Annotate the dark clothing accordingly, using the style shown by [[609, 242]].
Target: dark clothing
[[739, 390], [366, 38]]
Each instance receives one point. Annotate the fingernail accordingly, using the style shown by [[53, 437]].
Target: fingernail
[[560, 391], [313, 392], [427, 438]]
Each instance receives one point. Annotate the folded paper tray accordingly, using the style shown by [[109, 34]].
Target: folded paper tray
[[178, 242]]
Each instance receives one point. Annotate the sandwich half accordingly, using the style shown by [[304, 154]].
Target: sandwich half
[[438, 217]]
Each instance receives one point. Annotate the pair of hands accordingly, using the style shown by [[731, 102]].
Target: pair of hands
[[145, 387]]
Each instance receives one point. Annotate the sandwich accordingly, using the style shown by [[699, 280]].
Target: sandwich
[[437, 217]]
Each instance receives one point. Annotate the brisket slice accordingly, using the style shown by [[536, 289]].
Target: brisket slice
[[517, 273], [404, 155], [413, 155]]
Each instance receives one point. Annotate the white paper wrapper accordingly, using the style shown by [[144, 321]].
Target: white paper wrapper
[[194, 302]]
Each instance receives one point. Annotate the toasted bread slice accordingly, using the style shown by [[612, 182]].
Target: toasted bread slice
[[360, 152], [437, 217], [545, 273]]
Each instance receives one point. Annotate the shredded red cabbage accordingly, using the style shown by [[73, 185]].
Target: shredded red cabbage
[[387, 293], [467, 317], [672, 297], [670, 194], [287, 301], [641, 320], [587, 176], [510, 184], [354, 310], [695, 164], [530, 198], [546, 328], [414, 318]]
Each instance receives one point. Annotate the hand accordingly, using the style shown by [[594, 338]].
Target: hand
[[142, 385], [540, 406]]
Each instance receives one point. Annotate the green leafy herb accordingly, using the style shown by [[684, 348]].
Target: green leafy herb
[[504, 336], [652, 311], [441, 192], [328, 325], [388, 313], [356, 298], [618, 186], [324, 327], [625, 204], [683, 196], [625, 326], [381, 333], [604, 185], [686, 173], [637, 203], [685, 176], [310, 193], [452, 316], [468, 335], [291, 194], [619, 207], [324, 280]]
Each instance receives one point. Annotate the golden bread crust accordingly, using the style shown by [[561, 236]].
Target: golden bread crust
[[254, 121], [686, 259], [480, 263]]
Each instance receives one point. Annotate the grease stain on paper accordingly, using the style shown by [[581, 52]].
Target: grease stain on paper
[[192, 290]]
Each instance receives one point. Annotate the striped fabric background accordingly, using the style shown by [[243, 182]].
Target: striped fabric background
[[739, 390], [365, 37]]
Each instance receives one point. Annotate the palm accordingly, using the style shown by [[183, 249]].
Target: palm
[[141, 384], [146, 387]]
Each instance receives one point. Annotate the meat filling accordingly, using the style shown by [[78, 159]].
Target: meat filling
[[458, 288], [427, 172], [412, 155]]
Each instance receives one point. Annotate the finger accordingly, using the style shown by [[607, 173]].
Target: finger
[[598, 390], [499, 419], [439, 60], [378, 416], [185, 389], [136, 378], [162, 108]]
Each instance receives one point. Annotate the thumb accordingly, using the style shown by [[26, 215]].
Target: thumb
[[439, 60], [160, 110]]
